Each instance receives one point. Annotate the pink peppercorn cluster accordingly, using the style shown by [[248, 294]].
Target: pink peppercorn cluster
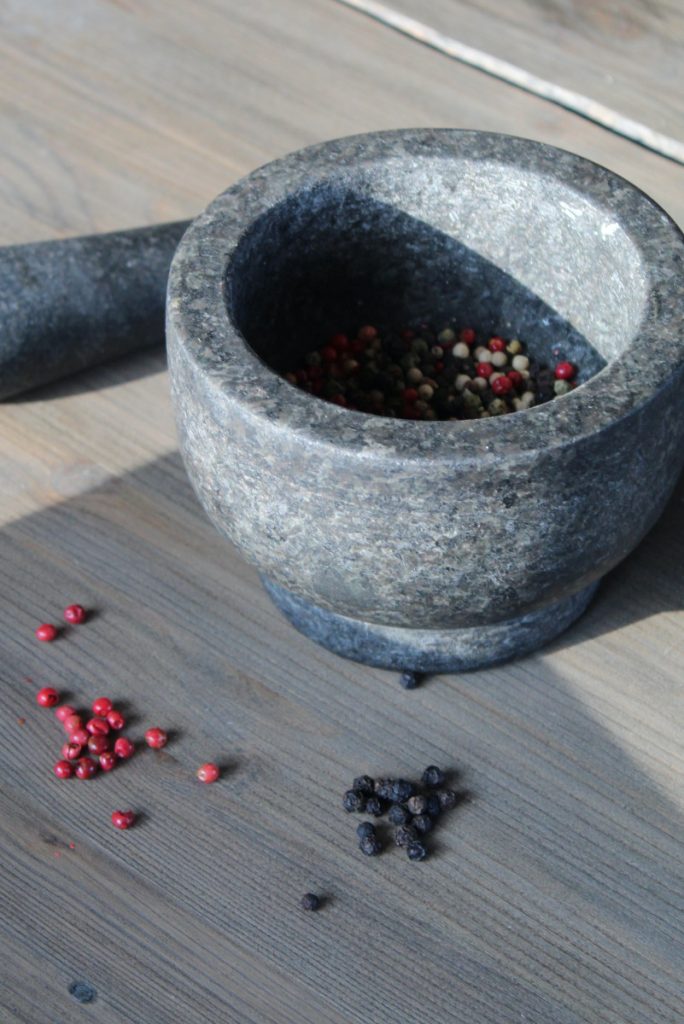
[[423, 374]]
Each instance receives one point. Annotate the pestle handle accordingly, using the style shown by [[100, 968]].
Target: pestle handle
[[72, 303]]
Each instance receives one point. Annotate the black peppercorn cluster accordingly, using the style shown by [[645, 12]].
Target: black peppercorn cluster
[[411, 809], [430, 374]]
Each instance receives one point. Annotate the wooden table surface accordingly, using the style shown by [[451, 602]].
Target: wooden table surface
[[555, 895]]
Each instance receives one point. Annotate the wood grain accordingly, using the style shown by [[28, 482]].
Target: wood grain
[[553, 896], [626, 56]]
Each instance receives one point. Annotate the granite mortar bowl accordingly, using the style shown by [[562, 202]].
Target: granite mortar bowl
[[430, 546]]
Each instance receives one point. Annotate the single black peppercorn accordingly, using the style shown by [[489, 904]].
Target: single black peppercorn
[[383, 788], [354, 801], [434, 807], [375, 807], [410, 680], [404, 835], [416, 851], [398, 815], [447, 799], [364, 784], [422, 823], [365, 829], [370, 846], [310, 901], [433, 777], [418, 804], [400, 791]]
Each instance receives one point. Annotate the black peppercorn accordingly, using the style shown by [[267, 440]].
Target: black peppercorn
[[416, 851], [422, 823], [418, 804], [447, 799], [354, 801], [310, 901], [370, 846], [433, 777], [364, 784], [365, 829], [383, 788], [404, 835], [375, 806], [398, 815], [434, 807], [409, 680], [400, 791]]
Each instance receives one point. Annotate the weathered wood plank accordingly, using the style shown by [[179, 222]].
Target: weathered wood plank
[[625, 56], [553, 895]]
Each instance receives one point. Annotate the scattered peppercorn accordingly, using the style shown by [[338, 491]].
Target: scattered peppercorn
[[416, 851], [46, 633], [75, 614], [208, 772], [102, 706], [97, 726], [434, 806], [47, 697], [71, 751], [400, 791], [310, 901], [98, 744], [63, 770], [417, 804], [422, 823], [365, 829], [398, 815], [107, 761], [156, 738], [370, 845], [375, 807], [447, 799], [433, 777], [354, 801], [63, 712], [410, 680], [383, 788], [123, 819], [364, 784], [85, 768], [124, 748], [116, 720], [404, 835]]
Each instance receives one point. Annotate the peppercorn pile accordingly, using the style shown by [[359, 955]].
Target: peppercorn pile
[[427, 375], [412, 809], [95, 736]]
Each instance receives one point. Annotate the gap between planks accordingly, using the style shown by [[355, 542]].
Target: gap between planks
[[579, 104]]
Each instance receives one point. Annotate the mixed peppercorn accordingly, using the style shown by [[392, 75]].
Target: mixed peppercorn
[[412, 809], [423, 374]]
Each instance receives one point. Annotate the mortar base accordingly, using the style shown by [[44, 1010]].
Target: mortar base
[[429, 650]]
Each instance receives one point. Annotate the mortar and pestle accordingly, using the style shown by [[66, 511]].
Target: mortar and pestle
[[422, 546]]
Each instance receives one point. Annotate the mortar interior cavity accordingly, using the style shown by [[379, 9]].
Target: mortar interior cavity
[[501, 251]]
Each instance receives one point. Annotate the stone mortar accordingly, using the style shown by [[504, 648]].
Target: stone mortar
[[430, 545]]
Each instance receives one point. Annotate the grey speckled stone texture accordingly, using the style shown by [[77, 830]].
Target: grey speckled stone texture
[[440, 529]]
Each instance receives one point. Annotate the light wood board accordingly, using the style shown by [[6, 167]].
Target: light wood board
[[553, 896]]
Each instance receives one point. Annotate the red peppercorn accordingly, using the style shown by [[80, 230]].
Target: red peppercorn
[[98, 744], [410, 394], [502, 385], [156, 738], [107, 761], [208, 772], [484, 369], [72, 722], [47, 697], [47, 632], [116, 720], [97, 726], [123, 819], [102, 706], [71, 751], [516, 377], [86, 768], [340, 342], [123, 748], [367, 333], [79, 736], [467, 335], [63, 770], [329, 353], [564, 371], [75, 614], [496, 344], [63, 712]]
